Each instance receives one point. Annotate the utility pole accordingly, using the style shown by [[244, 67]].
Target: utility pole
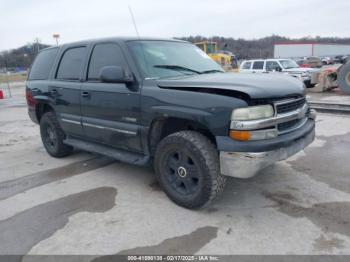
[[37, 42], [7, 79], [56, 36]]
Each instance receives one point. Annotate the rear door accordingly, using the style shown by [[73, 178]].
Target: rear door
[[258, 66], [65, 89], [110, 111]]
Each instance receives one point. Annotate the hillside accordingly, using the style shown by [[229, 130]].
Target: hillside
[[256, 48], [20, 57], [260, 48]]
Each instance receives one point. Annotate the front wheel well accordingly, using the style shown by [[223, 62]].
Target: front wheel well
[[163, 127]]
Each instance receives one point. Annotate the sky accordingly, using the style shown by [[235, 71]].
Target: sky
[[22, 21]]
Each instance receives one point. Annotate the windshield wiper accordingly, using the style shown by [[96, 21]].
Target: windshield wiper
[[211, 71], [177, 68]]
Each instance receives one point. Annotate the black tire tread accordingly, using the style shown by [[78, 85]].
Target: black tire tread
[[63, 149], [210, 155]]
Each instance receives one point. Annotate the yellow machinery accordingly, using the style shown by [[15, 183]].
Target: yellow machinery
[[224, 58]]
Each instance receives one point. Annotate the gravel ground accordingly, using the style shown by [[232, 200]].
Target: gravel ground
[[89, 204]]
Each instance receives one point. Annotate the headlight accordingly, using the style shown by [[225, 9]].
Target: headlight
[[252, 112]]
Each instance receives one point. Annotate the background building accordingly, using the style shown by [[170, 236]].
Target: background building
[[284, 50]]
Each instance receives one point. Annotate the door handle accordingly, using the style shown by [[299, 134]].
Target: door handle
[[85, 94], [54, 91]]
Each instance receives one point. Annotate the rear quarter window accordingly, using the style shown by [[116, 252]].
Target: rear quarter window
[[42, 64], [246, 65]]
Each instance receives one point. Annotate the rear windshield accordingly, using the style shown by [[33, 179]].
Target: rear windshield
[[42, 64]]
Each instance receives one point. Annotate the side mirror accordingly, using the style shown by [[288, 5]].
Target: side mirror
[[115, 74], [278, 69]]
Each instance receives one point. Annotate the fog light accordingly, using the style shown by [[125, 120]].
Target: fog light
[[263, 134]]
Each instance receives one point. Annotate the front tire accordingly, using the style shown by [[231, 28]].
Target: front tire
[[188, 169], [52, 136]]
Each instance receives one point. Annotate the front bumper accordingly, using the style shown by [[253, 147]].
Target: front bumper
[[248, 164]]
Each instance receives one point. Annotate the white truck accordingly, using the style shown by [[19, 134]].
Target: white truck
[[287, 66]]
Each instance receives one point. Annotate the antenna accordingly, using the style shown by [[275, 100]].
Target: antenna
[[138, 36], [133, 20]]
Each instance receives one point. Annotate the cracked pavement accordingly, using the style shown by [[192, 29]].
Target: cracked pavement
[[92, 205]]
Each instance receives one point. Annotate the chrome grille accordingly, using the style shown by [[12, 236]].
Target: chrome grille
[[287, 125], [288, 106], [290, 114]]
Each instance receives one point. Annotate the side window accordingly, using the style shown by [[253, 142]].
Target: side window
[[104, 55], [42, 65], [246, 65], [271, 65], [258, 65], [72, 64]]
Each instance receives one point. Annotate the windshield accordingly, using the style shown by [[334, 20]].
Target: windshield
[[287, 64], [162, 59]]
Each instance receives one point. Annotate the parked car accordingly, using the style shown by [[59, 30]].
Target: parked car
[[312, 61], [338, 59], [344, 59], [287, 66], [327, 60], [165, 102], [302, 62]]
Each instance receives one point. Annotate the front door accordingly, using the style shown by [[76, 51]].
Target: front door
[[272, 66], [110, 111]]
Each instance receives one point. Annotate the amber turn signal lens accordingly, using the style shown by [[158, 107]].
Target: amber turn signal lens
[[240, 135]]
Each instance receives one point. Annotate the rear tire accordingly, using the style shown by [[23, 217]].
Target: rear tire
[[188, 169], [308, 84], [52, 136]]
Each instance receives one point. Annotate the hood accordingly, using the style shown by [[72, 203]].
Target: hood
[[254, 85]]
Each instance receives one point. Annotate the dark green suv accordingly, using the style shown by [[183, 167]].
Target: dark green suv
[[166, 103]]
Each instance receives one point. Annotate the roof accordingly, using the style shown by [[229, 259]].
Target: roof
[[122, 39]]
